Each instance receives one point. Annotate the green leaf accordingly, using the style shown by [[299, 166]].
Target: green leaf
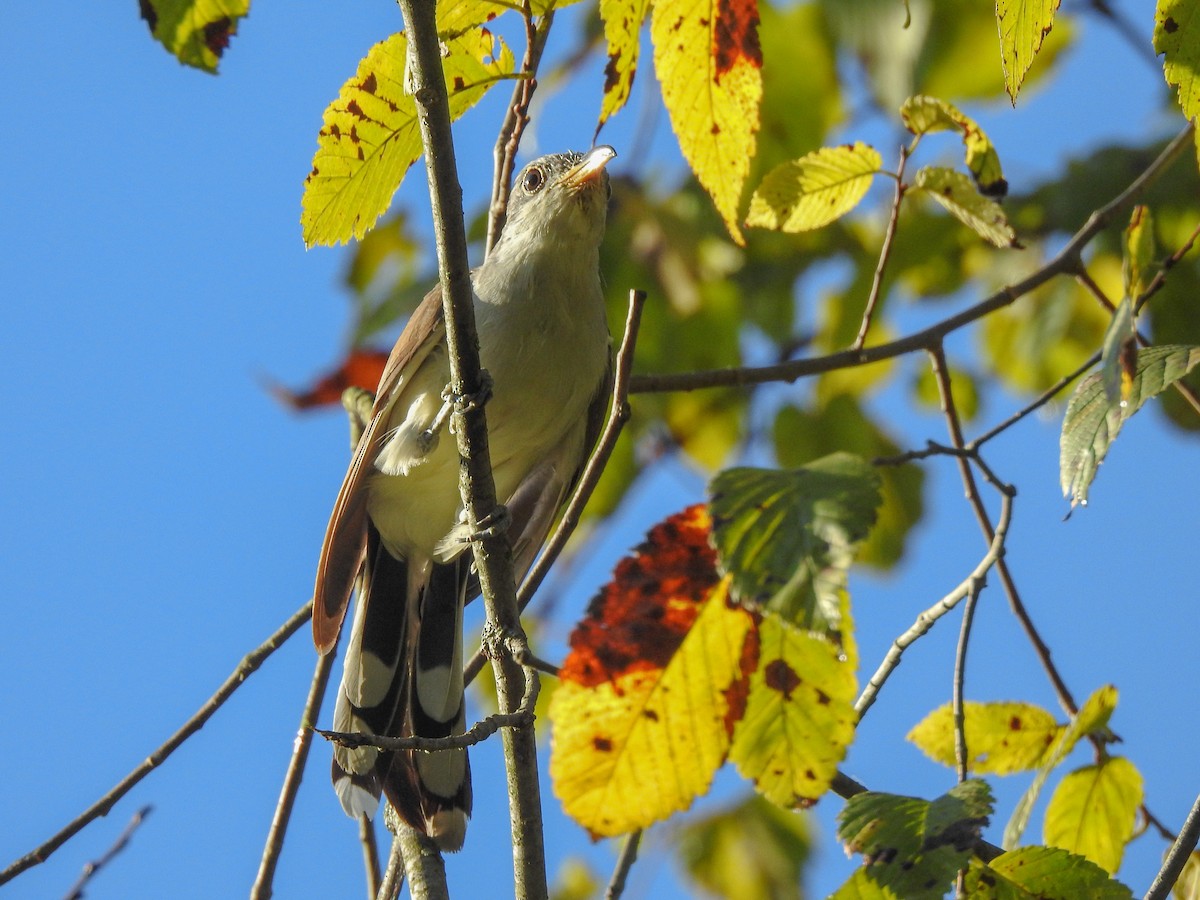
[[1092, 422], [1042, 873], [799, 716], [914, 847], [1139, 251], [750, 851], [1093, 810], [370, 136], [841, 424], [1023, 26], [788, 537], [1092, 716], [923, 115], [1177, 36], [955, 192], [196, 31], [810, 192], [1002, 738], [1118, 356], [860, 887]]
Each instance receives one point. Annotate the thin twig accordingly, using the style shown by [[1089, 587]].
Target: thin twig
[[884, 253], [393, 875], [1177, 856], [513, 127], [101, 807], [1044, 398], [1160, 277], [263, 882], [925, 621], [122, 841], [1067, 261], [370, 851], [629, 852], [957, 703]]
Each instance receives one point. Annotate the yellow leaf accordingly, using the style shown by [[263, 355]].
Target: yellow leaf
[[654, 682], [954, 191], [708, 59], [370, 136], [1002, 738], [196, 31], [1023, 26], [1093, 810], [629, 753], [799, 716], [923, 115], [1139, 251], [1177, 35], [622, 29], [812, 191]]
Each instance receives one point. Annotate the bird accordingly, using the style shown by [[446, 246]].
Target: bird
[[398, 527]]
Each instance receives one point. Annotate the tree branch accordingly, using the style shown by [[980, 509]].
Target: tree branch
[[101, 807], [122, 841], [884, 253], [1067, 261], [629, 852], [1177, 856], [493, 555]]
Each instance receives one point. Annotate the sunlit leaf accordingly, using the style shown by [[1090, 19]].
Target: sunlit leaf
[[709, 62], [799, 716], [787, 538], [361, 368], [954, 191], [370, 137], [1093, 810], [914, 847], [814, 190], [622, 30], [1042, 873], [1177, 36], [196, 31], [652, 686], [1023, 26], [751, 851], [1092, 717], [841, 424], [1092, 422], [1002, 738], [923, 115], [1118, 356], [1139, 251], [859, 886]]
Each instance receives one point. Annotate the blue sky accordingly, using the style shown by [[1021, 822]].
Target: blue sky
[[162, 514]]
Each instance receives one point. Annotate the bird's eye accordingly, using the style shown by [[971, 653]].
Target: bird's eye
[[533, 180]]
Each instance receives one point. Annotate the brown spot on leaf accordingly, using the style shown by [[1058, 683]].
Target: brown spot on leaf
[[217, 34], [779, 676], [1015, 724], [735, 36], [611, 76], [369, 84], [602, 744], [459, 83], [650, 714], [1170, 26], [355, 110]]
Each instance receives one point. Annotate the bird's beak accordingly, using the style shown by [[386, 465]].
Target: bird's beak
[[588, 168]]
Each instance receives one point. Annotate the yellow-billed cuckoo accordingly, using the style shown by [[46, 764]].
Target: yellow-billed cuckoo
[[398, 519]]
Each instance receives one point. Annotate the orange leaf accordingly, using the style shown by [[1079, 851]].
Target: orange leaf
[[361, 368]]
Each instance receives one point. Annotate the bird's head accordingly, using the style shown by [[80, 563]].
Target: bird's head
[[560, 198]]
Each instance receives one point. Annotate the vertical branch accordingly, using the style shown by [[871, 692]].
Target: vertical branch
[[370, 849], [493, 555], [513, 127], [629, 852], [954, 425], [884, 253], [291, 779]]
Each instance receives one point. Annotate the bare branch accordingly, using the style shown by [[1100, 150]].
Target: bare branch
[[122, 841], [1177, 856], [262, 888], [926, 620], [393, 876], [884, 253], [370, 850], [629, 852], [101, 807]]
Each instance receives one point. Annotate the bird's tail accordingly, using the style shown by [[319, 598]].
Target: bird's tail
[[403, 677]]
